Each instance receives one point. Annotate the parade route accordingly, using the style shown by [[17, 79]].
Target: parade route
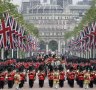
[[48, 45], [46, 87]]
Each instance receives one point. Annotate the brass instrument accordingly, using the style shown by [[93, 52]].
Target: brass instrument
[[56, 77], [17, 78], [87, 78]]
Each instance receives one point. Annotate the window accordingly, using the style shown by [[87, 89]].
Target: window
[[50, 33], [47, 17], [44, 1], [42, 33], [62, 33], [54, 34]]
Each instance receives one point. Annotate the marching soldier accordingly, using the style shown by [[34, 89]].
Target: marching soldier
[[94, 77], [77, 76], [81, 78], [61, 76], [10, 77], [22, 77], [71, 77], [32, 76], [50, 77], [56, 77], [86, 80], [2, 78], [41, 76], [17, 79], [91, 79]]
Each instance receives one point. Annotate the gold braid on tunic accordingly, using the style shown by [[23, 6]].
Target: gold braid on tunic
[[56, 77], [17, 79], [87, 78]]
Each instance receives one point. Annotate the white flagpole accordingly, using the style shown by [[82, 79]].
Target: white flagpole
[[2, 53], [12, 53], [17, 52]]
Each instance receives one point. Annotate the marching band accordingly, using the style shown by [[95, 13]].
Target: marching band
[[56, 70]]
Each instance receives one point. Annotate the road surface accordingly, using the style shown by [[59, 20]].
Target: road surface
[[46, 86]]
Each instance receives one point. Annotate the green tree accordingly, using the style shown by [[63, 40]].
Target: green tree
[[6, 5], [89, 17]]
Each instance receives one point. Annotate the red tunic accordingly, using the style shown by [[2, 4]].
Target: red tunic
[[71, 75], [50, 76], [62, 75], [95, 75], [92, 76], [81, 76], [22, 76], [2, 76], [41, 76], [31, 75], [11, 76]]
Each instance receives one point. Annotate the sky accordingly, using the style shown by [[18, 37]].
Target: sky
[[18, 2]]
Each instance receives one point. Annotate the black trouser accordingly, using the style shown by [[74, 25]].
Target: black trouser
[[95, 81], [71, 83], [31, 82], [51, 83], [41, 83], [68, 81], [21, 84], [77, 81], [91, 84], [1, 84], [10, 83], [61, 83], [81, 83]]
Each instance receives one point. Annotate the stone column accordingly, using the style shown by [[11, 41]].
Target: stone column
[[62, 47], [59, 47], [47, 48]]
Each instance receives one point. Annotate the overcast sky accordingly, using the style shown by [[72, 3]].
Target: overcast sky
[[18, 2]]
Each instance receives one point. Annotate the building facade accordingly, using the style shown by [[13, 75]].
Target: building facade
[[85, 2], [52, 20]]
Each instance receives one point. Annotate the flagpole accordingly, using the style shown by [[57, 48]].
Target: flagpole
[[17, 52], [2, 53], [12, 53], [89, 53], [93, 51]]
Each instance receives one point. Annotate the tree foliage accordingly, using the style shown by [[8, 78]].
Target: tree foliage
[[6, 5], [89, 17]]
